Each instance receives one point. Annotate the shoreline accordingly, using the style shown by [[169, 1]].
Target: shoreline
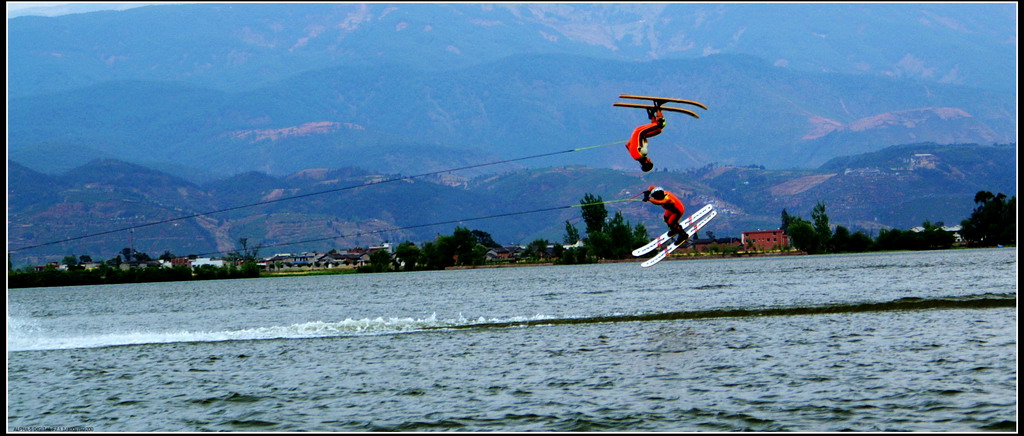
[[683, 257], [635, 260]]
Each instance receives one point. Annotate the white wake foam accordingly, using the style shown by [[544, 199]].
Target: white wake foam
[[23, 335]]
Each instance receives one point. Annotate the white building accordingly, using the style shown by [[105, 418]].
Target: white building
[[198, 262]]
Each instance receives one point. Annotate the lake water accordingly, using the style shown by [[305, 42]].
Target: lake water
[[923, 341]]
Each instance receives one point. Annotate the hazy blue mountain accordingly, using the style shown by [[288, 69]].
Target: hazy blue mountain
[[238, 46], [27, 189], [396, 119], [53, 9]]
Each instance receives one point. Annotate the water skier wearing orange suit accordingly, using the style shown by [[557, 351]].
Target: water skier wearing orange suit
[[637, 144], [673, 210]]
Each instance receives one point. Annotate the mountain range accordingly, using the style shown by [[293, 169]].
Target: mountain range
[[121, 118], [212, 90], [216, 45]]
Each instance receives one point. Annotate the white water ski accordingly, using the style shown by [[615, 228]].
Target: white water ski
[[691, 231], [664, 238]]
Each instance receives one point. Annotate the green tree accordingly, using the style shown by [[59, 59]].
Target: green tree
[[114, 261], [606, 239], [459, 248], [380, 261], [478, 256], [889, 239], [594, 213], [821, 227], [844, 242], [557, 250], [933, 237], [786, 220], [599, 245], [537, 249], [576, 255], [70, 261], [859, 242], [620, 237], [485, 239], [840, 241], [439, 254], [640, 235], [249, 269], [993, 221], [572, 235], [408, 254], [803, 236], [463, 244], [206, 272]]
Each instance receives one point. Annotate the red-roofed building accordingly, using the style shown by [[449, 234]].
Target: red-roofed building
[[765, 239], [181, 261]]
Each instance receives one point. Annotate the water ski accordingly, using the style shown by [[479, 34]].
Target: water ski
[[694, 224], [658, 103], [664, 237]]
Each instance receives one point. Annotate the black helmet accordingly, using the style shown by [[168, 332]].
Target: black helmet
[[658, 193], [646, 165]]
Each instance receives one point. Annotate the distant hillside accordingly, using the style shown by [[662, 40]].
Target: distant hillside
[[897, 187], [900, 186], [394, 119]]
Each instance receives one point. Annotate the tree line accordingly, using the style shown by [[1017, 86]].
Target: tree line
[[613, 238], [107, 275], [109, 272], [605, 238], [463, 247], [992, 223]]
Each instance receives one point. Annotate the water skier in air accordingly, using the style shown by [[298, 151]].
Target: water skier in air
[[637, 144], [673, 210]]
